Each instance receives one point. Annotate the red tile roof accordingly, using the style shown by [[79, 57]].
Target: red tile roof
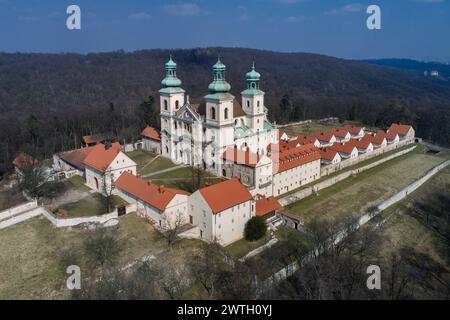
[[360, 144], [267, 205], [354, 130], [290, 158], [390, 135], [239, 156], [24, 161], [378, 137], [338, 132], [156, 196], [280, 134], [76, 157], [226, 194], [151, 133], [302, 140], [100, 158], [343, 147], [324, 136], [401, 129], [327, 154]]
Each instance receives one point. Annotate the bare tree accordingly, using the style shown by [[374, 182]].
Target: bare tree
[[171, 230], [102, 247], [108, 189]]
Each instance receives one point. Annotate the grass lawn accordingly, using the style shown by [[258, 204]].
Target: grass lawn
[[310, 128], [141, 157], [159, 164], [30, 251], [241, 247], [180, 178], [78, 182], [403, 230], [355, 195], [92, 205]]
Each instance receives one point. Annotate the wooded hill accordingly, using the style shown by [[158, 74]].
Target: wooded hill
[[47, 101]]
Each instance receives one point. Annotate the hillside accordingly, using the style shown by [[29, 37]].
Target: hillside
[[47, 101]]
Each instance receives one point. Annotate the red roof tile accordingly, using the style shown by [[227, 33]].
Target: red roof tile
[[24, 161], [151, 133], [401, 129], [267, 205], [338, 132], [324, 136], [156, 196], [354, 130], [327, 154], [100, 158], [76, 157], [343, 147], [290, 158], [360, 144], [226, 194], [239, 156]]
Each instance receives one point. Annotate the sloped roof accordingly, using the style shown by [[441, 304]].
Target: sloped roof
[[290, 158], [226, 194], [267, 205], [360, 144], [354, 130], [378, 137], [306, 139], [324, 136], [76, 157], [327, 154], [200, 108], [339, 132], [401, 129], [24, 161], [343, 147], [391, 134], [151, 133], [156, 196], [100, 158], [244, 157]]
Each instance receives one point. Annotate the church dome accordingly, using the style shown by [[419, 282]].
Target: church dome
[[253, 75], [171, 79], [219, 84]]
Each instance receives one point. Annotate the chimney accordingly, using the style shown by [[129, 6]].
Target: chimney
[[161, 188], [207, 184], [107, 145]]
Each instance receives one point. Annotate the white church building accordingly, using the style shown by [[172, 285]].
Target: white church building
[[198, 134]]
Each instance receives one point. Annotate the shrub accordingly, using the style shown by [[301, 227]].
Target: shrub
[[255, 229]]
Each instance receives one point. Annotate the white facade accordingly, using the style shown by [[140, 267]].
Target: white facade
[[224, 227], [101, 181], [197, 135], [296, 177]]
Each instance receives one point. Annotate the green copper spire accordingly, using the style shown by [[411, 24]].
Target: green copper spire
[[171, 79], [252, 79], [219, 84]]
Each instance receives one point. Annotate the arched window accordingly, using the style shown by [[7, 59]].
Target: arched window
[[226, 113], [235, 122], [248, 103], [213, 113], [177, 104], [258, 103], [167, 149], [165, 105], [224, 172]]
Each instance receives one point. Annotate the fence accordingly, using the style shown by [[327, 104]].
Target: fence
[[293, 267], [331, 181], [8, 213]]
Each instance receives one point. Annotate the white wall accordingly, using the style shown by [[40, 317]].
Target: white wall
[[294, 178]]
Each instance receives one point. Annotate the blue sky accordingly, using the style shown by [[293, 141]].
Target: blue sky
[[417, 29]]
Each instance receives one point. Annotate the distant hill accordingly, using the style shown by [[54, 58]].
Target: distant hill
[[48, 100], [420, 67]]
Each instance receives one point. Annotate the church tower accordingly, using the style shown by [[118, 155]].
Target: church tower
[[219, 118], [253, 100], [171, 99]]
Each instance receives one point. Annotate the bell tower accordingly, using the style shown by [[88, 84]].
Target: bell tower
[[171, 99], [253, 100]]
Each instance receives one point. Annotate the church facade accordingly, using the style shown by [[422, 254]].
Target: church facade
[[198, 134]]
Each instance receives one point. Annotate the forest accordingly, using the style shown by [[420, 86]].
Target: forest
[[49, 101]]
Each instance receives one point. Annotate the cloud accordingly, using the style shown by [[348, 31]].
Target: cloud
[[139, 16], [182, 10], [295, 19], [348, 8]]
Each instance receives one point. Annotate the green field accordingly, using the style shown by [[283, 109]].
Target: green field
[[310, 128], [30, 254], [159, 164], [91, 205], [356, 194], [181, 178]]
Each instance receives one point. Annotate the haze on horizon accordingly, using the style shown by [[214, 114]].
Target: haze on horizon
[[416, 29]]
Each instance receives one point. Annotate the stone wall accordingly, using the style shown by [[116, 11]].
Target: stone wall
[[331, 181], [8, 213]]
